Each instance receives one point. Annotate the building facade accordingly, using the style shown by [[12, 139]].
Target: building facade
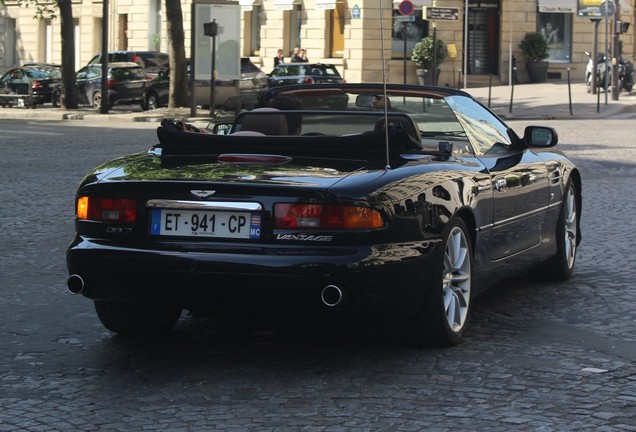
[[352, 34]]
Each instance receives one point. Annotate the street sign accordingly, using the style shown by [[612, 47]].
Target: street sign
[[441, 13], [406, 7], [406, 18], [607, 8]]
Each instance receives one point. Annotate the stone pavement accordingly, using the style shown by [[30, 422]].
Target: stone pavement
[[552, 100]]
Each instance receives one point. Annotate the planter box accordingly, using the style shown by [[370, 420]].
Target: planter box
[[537, 72]]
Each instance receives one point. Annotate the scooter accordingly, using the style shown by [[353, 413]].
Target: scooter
[[602, 67], [626, 75]]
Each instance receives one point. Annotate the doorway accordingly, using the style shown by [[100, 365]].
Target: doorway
[[483, 37]]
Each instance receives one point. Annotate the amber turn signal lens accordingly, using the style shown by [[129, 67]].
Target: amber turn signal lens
[[107, 209]]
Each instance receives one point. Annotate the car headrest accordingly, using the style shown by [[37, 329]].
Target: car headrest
[[268, 121]]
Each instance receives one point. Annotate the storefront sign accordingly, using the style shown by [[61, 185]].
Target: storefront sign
[[557, 6], [589, 8], [441, 14], [483, 5]]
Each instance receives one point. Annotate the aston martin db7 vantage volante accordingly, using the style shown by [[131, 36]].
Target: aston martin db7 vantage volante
[[366, 200]]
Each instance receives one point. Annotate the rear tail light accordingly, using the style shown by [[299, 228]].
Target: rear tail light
[[309, 80], [107, 209], [37, 85], [112, 83], [318, 216]]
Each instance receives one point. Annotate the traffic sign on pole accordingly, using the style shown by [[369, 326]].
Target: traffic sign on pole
[[406, 7]]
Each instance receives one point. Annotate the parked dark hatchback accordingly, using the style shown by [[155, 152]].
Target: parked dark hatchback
[[126, 85], [303, 73], [17, 81], [151, 61]]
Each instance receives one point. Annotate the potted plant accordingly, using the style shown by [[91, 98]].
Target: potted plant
[[423, 53], [535, 48]]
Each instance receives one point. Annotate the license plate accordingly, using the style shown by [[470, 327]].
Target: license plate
[[201, 223]]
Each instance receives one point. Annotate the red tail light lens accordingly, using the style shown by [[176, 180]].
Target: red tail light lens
[[37, 85], [318, 216], [107, 209], [112, 83], [309, 80]]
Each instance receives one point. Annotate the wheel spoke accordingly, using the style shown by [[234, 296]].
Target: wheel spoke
[[570, 227], [456, 280]]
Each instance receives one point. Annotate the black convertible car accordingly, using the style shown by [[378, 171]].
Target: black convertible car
[[406, 208]]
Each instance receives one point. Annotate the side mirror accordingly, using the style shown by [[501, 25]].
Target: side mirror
[[540, 136], [222, 129], [364, 100]]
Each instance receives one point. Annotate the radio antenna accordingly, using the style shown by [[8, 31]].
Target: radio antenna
[[386, 105]]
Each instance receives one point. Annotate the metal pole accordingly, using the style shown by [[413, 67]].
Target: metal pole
[[569, 91], [616, 86], [465, 42], [594, 77], [606, 83], [510, 49], [434, 54], [103, 107], [512, 88], [404, 37], [213, 78], [193, 96], [489, 88]]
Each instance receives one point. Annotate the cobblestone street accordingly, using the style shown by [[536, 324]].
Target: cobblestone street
[[539, 357]]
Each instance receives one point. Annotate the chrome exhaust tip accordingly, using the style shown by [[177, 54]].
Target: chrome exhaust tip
[[75, 284], [331, 296]]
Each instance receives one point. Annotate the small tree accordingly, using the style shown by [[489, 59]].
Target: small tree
[[45, 9], [534, 47], [423, 52], [178, 93]]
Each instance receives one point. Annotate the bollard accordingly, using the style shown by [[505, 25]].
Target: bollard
[[569, 91], [489, 89], [459, 79], [512, 87]]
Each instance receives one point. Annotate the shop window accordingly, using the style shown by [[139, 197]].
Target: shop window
[[296, 22], [410, 31], [557, 30], [256, 18]]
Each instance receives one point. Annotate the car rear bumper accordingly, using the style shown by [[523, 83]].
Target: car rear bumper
[[373, 280]]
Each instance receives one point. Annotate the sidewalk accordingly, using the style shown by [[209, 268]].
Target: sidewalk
[[552, 101], [529, 101]]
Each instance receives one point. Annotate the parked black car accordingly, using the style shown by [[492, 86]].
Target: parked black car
[[126, 85], [31, 85], [407, 214], [303, 73], [151, 61]]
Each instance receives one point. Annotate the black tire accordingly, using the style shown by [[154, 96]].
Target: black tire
[[137, 319], [152, 101], [561, 266], [444, 316]]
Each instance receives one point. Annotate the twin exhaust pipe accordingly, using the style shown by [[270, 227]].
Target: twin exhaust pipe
[[75, 284], [331, 295]]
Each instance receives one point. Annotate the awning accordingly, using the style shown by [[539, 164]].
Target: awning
[[558, 6], [325, 4], [246, 5], [284, 4], [416, 3]]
